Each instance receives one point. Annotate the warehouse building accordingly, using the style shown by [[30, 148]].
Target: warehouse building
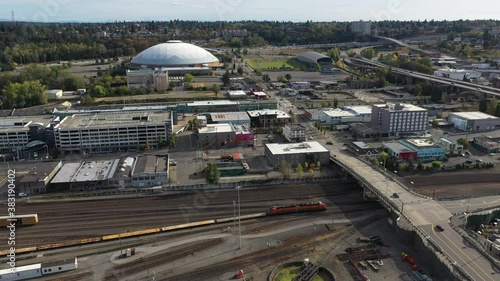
[[474, 121], [149, 171], [217, 136], [128, 131], [235, 118], [295, 153], [37, 179], [85, 175], [363, 112], [54, 94], [487, 144], [337, 116], [148, 78], [398, 119]]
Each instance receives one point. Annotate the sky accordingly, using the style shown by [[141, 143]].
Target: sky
[[234, 10]]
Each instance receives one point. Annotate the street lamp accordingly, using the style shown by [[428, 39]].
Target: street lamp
[[413, 185], [234, 214], [239, 214], [314, 228], [268, 243]]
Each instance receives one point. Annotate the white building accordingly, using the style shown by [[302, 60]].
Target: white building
[[294, 133], [113, 132], [396, 119], [295, 153], [54, 94], [363, 112], [235, 118], [337, 116], [474, 121], [237, 95], [363, 27], [59, 266], [457, 74]]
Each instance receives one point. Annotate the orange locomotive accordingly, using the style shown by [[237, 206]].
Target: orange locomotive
[[295, 208]]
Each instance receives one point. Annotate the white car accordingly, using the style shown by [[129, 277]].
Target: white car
[[23, 194], [492, 154]]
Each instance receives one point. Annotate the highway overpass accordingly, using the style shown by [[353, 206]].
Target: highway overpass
[[431, 78], [424, 214]]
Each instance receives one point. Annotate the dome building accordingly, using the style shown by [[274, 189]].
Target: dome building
[[153, 66], [175, 53]]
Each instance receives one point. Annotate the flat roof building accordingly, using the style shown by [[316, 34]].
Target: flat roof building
[[295, 153], [149, 171], [237, 95], [337, 116], [17, 132], [37, 179], [294, 132], [113, 132], [487, 144], [86, 175], [398, 119], [217, 136], [363, 112], [235, 118], [427, 150], [269, 118], [474, 121], [400, 151]]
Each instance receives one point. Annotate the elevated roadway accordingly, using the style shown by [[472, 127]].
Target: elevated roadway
[[431, 78], [424, 214]]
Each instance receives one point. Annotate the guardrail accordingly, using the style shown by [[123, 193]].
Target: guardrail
[[453, 266]]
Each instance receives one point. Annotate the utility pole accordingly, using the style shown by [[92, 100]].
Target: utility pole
[[239, 215]]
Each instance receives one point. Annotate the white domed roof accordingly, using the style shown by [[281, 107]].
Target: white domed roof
[[174, 53]]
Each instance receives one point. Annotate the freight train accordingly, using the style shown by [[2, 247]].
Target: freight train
[[295, 208], [19, 220]]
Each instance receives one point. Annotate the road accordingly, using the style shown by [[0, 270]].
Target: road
[[471, 204], [424, 213]]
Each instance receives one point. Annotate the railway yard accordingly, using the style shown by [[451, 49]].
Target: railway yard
[[210, 252]]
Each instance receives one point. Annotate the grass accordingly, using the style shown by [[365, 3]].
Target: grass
[[290, 273], [268, 64]]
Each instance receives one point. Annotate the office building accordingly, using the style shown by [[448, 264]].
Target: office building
[[427, 151], [269, 118], [397, 119], [294, 133]]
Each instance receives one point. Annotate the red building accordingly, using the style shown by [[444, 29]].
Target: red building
[[400, 151]]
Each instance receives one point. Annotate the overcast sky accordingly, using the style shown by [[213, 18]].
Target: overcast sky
[[229, 10]]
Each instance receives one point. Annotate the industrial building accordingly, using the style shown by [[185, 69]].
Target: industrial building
[[54, 94], [294, 133], [487, 144], [457, 74], [312, 59], [398, 119], [38, 178], [474, 121], [225, 106], [85, 175], [363, 112], [157, 78], [235, 118], [450, 147], [427, 151], [399, 151], [216, 136], [128, 131], [269, 118], [149, 171], [295, 153], [235, 95], [361, 148]]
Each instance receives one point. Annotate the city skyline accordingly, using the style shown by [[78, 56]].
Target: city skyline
[[235, 10]]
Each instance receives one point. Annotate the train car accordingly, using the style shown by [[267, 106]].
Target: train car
[[59, 266], [22, 272], [187, 225], [294, 208], [282, 209], [316, 206], [30, 219]]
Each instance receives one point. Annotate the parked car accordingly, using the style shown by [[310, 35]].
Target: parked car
[[329, 142], [395, 195], [23, 194], [492, 154], [439, 227]]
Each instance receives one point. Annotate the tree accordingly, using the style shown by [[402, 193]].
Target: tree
[[436, 165], [212, 174], [266, 78], [216, 89], [497, 111], [172, 140], [435, 124], [318, 165], [483, 105], [418, 90], [335, 102], [87, 100], [463, 142], [300, 170], [25, 94], [188, 78], [171, 85], [226, 78], [240, 70], [288, 77], [147, 147]]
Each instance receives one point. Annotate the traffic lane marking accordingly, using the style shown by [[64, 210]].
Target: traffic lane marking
[[459, 256]]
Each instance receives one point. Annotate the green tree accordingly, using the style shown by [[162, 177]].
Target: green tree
[[266, 78], [87, 100], [288, 77], [463, 142], [172, 140], [171, 85], [212, 174], [497, 111], [226, 78], [25, 94], [483, 105], [435, 124], [335, 102], [188, 78], [418, 90], [216, 89], [300, 169], [240, 70], [318, 165], [436, 165]]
